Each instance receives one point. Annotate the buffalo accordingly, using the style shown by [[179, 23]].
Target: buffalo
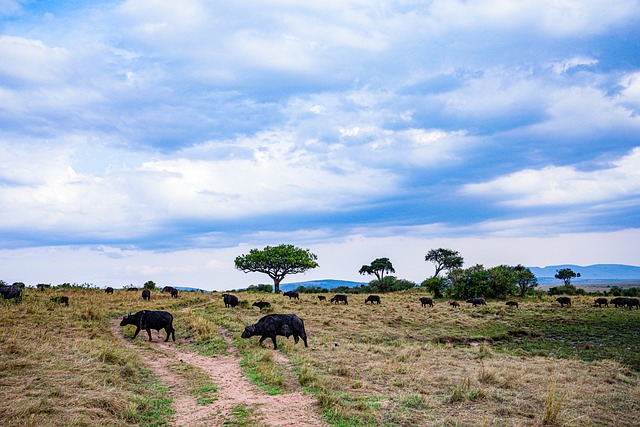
[[322, 298], [147, 320], [291, 294], [11, 292], [167, 289], [146, 295], [512, 304], [619, 302], [261, 304], [60, 300], [426, 301], [277, 324], [563, 301], [174, 293], [477, 301], [454, 304], [600, 301], [339, 298], [230, 300], [372, 299], [633, 302], [43, 286], [109, 290]]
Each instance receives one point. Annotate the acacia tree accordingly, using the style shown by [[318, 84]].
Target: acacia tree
[[444, 259], [566, 274], [525, 278], [277, 262], [378, 268]]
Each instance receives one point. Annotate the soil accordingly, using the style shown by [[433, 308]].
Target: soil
[[291, 409]]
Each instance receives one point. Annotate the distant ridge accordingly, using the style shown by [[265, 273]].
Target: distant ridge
[[323, 283], [596, 273]]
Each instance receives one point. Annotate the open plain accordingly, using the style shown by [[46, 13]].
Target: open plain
[[393, 364]]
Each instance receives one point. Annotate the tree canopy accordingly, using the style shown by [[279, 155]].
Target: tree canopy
[[378, 268], [444, 259], [277, 262], [525, 278], [566, 274]]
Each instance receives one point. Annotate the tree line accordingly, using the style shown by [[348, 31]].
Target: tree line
[[449, 280]]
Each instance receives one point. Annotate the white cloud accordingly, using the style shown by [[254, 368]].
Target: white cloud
[[31, 61], [552, 17], [564, 185]]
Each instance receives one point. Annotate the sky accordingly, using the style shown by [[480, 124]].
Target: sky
[[154, 140]]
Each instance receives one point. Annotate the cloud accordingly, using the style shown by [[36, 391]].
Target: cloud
[[564, 185]]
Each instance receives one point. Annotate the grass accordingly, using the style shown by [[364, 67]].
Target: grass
[[396, 364]]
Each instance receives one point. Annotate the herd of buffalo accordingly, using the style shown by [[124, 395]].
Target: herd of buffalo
[[273, 325]]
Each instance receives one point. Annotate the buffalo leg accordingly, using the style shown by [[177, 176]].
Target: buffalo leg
[[136, 334], [149, 333]]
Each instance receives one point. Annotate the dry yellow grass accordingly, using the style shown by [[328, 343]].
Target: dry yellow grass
[[396, 364]]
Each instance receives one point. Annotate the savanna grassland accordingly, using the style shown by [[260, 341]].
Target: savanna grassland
[[394, 364]]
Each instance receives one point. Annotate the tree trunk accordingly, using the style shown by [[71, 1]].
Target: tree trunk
[[276, 285]]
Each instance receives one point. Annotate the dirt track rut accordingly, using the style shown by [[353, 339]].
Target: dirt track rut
[[294, 409]]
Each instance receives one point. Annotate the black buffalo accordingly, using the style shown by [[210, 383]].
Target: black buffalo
[[11, 292], [146, 295], [174, 293], [43, 286], [564, 301], [477, 301], [230, 300], [600, 301], [109, 290], [60, 300], [277, 324], [372, 299], [322, 298], [339, 298], [512, 304], [633, 302], [619, 302], [167, 289], [426, 301], [291, 294], [261, 304], [454, 304], [147, 320]]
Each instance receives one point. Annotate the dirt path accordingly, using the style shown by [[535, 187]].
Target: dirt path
[[294, 409]]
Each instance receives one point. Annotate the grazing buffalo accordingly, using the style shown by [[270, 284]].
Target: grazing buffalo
[[512, 304], [146, 295], [261, 304], [132, 289], [277, 324], [633, 302], [372, 299], [167, 289], [147, 320], [109, 290], [426, 301], [291, 294], [174, 293], [43, 286], [60, 300], [600, 301], [11, 292], [563, 301], [230, 300], [322, 298], [454, 304], [339, 298], [619, 302], [477, 301]]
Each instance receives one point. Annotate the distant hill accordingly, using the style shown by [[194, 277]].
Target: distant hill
[[597, 273], [324, 283]]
